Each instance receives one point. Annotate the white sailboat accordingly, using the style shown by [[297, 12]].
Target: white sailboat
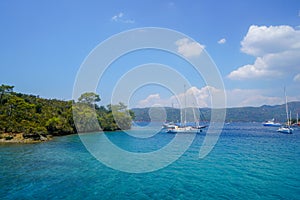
[[184, 128], [287, 128]]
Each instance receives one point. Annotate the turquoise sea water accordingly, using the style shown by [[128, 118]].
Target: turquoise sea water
[[248, 162]]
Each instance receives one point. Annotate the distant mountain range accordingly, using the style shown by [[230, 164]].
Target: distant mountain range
[[239, 114]]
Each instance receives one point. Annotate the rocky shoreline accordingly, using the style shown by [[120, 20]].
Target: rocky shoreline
[[23, 138]]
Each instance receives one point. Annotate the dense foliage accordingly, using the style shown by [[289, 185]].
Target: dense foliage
[[35, 117]]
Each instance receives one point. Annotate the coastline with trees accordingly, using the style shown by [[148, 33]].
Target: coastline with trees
[[28, 118]]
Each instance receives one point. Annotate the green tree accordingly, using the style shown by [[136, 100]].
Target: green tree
[[85, 118], [5, 89], [121, 116], [58, 126], [123, 120], [19, 108], [36, 117], [107, 122], [89, 98]]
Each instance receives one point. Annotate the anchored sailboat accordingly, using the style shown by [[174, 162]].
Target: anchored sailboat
[[184, 128], [287, 128]]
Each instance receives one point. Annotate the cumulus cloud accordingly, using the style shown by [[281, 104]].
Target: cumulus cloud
[[150, 100], [276, 48], [262, 40], [193, 97], [154, 100], [259, 69], [201, 97], [120, 18], [222, 41], [189, 48]]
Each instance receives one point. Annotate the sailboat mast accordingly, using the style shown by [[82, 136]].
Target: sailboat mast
[[290, 120], [184, 106], [195, 118], [181, 116], [286, 108]]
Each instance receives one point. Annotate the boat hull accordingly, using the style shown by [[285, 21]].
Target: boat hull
[[272, 125], [185, 130], [285, 130]]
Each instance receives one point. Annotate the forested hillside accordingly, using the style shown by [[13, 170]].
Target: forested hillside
[[28, 117]]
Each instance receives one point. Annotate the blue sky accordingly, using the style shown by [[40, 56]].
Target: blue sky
[[255, 45]]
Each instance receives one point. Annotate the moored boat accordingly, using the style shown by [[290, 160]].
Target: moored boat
[[287, 128], [184, 129], [271, 123], [168, 125]]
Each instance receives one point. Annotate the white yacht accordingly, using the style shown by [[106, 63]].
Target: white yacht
[[271, 123], [287, 128]]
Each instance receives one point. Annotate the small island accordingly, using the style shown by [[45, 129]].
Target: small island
[[28, 118]]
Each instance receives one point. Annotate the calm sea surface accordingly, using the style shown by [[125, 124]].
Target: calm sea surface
[[249, 162]]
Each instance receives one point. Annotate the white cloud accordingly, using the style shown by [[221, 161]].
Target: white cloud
[[235, 97], [250, 97], [201, 97], [297, 77], [153, 100], [222, 41], [189, 48], [191, 98], [257, 70], [262, 40], [117, 17], [120, 18], [276, 48]]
